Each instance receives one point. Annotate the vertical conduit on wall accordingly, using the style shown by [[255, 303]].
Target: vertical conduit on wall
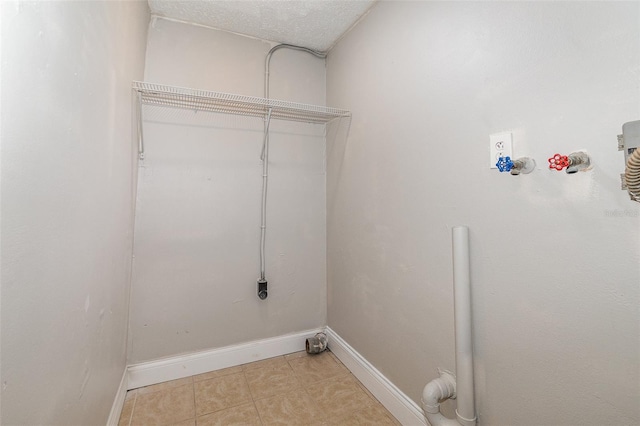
[[264, 156]]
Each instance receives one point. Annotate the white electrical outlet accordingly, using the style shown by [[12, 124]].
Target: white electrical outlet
[[500, 145]]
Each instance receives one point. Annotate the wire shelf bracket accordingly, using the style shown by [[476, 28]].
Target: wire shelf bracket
[[227, 103]]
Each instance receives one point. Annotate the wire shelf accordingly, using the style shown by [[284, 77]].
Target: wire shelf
[[226, 103]]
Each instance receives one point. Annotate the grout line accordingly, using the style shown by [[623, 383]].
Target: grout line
[[246, 380], [253, 400], [195, 408], [257, 411]]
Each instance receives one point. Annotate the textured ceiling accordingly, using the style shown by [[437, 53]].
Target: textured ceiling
[[316, 24]]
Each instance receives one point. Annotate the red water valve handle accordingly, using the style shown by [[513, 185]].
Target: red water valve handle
[[558, 162]]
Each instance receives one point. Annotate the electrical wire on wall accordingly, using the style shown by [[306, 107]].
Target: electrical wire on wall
[[264, 156]]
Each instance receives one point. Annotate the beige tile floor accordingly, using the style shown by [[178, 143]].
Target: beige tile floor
[[295, 389]]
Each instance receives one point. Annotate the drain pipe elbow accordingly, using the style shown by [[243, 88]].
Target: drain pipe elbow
[[442, 388], [316, 344]]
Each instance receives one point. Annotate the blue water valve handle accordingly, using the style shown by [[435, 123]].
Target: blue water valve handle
[[504, 164]]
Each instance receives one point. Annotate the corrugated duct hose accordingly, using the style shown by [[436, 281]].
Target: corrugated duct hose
[[632, 175]]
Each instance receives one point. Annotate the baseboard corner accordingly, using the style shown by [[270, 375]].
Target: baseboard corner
[[118, 402], [403, 408]]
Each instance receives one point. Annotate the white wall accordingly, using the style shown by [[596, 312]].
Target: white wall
[[555, 257], [198, 210], [67, 205]]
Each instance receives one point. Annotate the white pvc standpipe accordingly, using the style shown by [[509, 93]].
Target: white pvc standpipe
[[466, 411]]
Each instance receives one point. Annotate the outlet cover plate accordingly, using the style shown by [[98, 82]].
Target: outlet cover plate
[[500, 145]]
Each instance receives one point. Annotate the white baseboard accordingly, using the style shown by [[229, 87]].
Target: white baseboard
[[400, 405], [118, 402], [149, 373]]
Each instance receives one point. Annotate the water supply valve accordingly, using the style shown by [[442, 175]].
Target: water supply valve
[[574, 162], [504, 164], [558, 162], [523, 165]]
